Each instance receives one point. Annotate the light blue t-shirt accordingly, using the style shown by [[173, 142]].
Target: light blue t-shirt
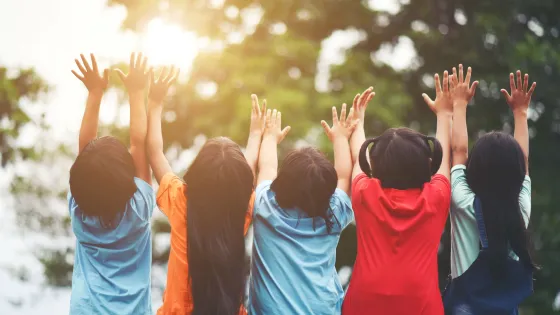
[[112, 265], [465, 240], [293, 265]]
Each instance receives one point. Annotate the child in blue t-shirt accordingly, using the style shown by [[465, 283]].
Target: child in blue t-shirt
[[111, 202], [300, 212]]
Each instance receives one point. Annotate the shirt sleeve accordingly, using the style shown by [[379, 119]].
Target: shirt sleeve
[[146, 193], [341, 206], [249, 214], [357, 185], [462, 196], [260, 194], [171, 198], [525, 200], [72, 205]]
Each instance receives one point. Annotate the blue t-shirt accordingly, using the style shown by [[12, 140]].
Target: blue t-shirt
[[293, 264], [112, 265]]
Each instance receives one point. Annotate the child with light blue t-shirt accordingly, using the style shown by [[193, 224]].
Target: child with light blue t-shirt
[[300, 212], [111, 202], [491, 262]]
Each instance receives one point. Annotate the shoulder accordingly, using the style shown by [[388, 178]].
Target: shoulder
[[438, 191], [262, 198]]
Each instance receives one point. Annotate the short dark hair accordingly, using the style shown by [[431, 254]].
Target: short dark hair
[[102, 178], [496, 169], [307, 180], [401, 158]]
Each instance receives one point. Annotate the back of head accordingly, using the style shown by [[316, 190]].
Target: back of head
[[402, 158], [219, 188], [306, 180], [102, 178], [495, 172]]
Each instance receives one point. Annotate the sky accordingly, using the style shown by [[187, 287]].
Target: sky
[[48, 35]]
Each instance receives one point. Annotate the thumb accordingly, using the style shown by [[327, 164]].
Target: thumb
[[428, 101], [326, 127], [284, 133], [106, 75], [121, 74], [354, 125], [473, 87], [506, 94]]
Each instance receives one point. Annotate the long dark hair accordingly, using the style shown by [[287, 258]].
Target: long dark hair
[[307, 180], [219, 188], [495, 172], [401, 158], [102, 179]]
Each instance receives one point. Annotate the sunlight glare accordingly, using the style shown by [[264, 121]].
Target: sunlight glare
[[169, 44]]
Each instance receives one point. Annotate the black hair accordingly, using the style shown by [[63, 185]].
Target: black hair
[[495, 172], [219, 188], [307, 180], [401, 158], [102, 179]]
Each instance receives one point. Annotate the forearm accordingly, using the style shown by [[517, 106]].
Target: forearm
[[90, 121], [154, 140], [443, 136], [521, 134], [252, 151], [356, 140], [459, 135], [268, 159], [138, 119], [342, 163]]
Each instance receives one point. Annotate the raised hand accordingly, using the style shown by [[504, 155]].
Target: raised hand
[[520, 97], [343, 127], [137, 78], [159, 87], [444, 100], [274, 126], [461, 89], [91, 77], [258, 114], [361, 102]]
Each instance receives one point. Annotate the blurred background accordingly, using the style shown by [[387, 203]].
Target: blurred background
[[303, 56]]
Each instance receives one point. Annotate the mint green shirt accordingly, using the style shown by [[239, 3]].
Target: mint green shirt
[[464, 231]]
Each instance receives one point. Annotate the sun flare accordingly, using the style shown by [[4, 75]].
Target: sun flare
[[169, 44]]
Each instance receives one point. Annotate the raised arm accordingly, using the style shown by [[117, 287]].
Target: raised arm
[[358, 137], [339, 134], [96, 85], [519, 101], [256, 130], [158, 91], [462, 94], [136, 83], [443, 108], [273, 135]]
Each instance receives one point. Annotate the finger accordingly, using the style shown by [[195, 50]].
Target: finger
[[144, 65], [473, 87], [326, 127], [511, 82], [453, 77], [445, 81], [138, 62], [94, 63], [162, 75], [105, 75], [279, 119], [437, 83], [273, 117], [366, 95], [370, 97], [334, 116], [268, 118], [82, 70], [355, 101], [263, 110], [461, 77], [350, 115], [285, 132], [468, 78], [532, 89], [170, 74], [121, 74], [173, 78], [152, 76], [428, 100], [254, 104], [78, 76], [505, 93], [84, 61], [131, 64], [519, 86], [343, 113], [526, 83]]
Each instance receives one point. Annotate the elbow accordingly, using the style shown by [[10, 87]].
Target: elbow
[[459, 149]]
